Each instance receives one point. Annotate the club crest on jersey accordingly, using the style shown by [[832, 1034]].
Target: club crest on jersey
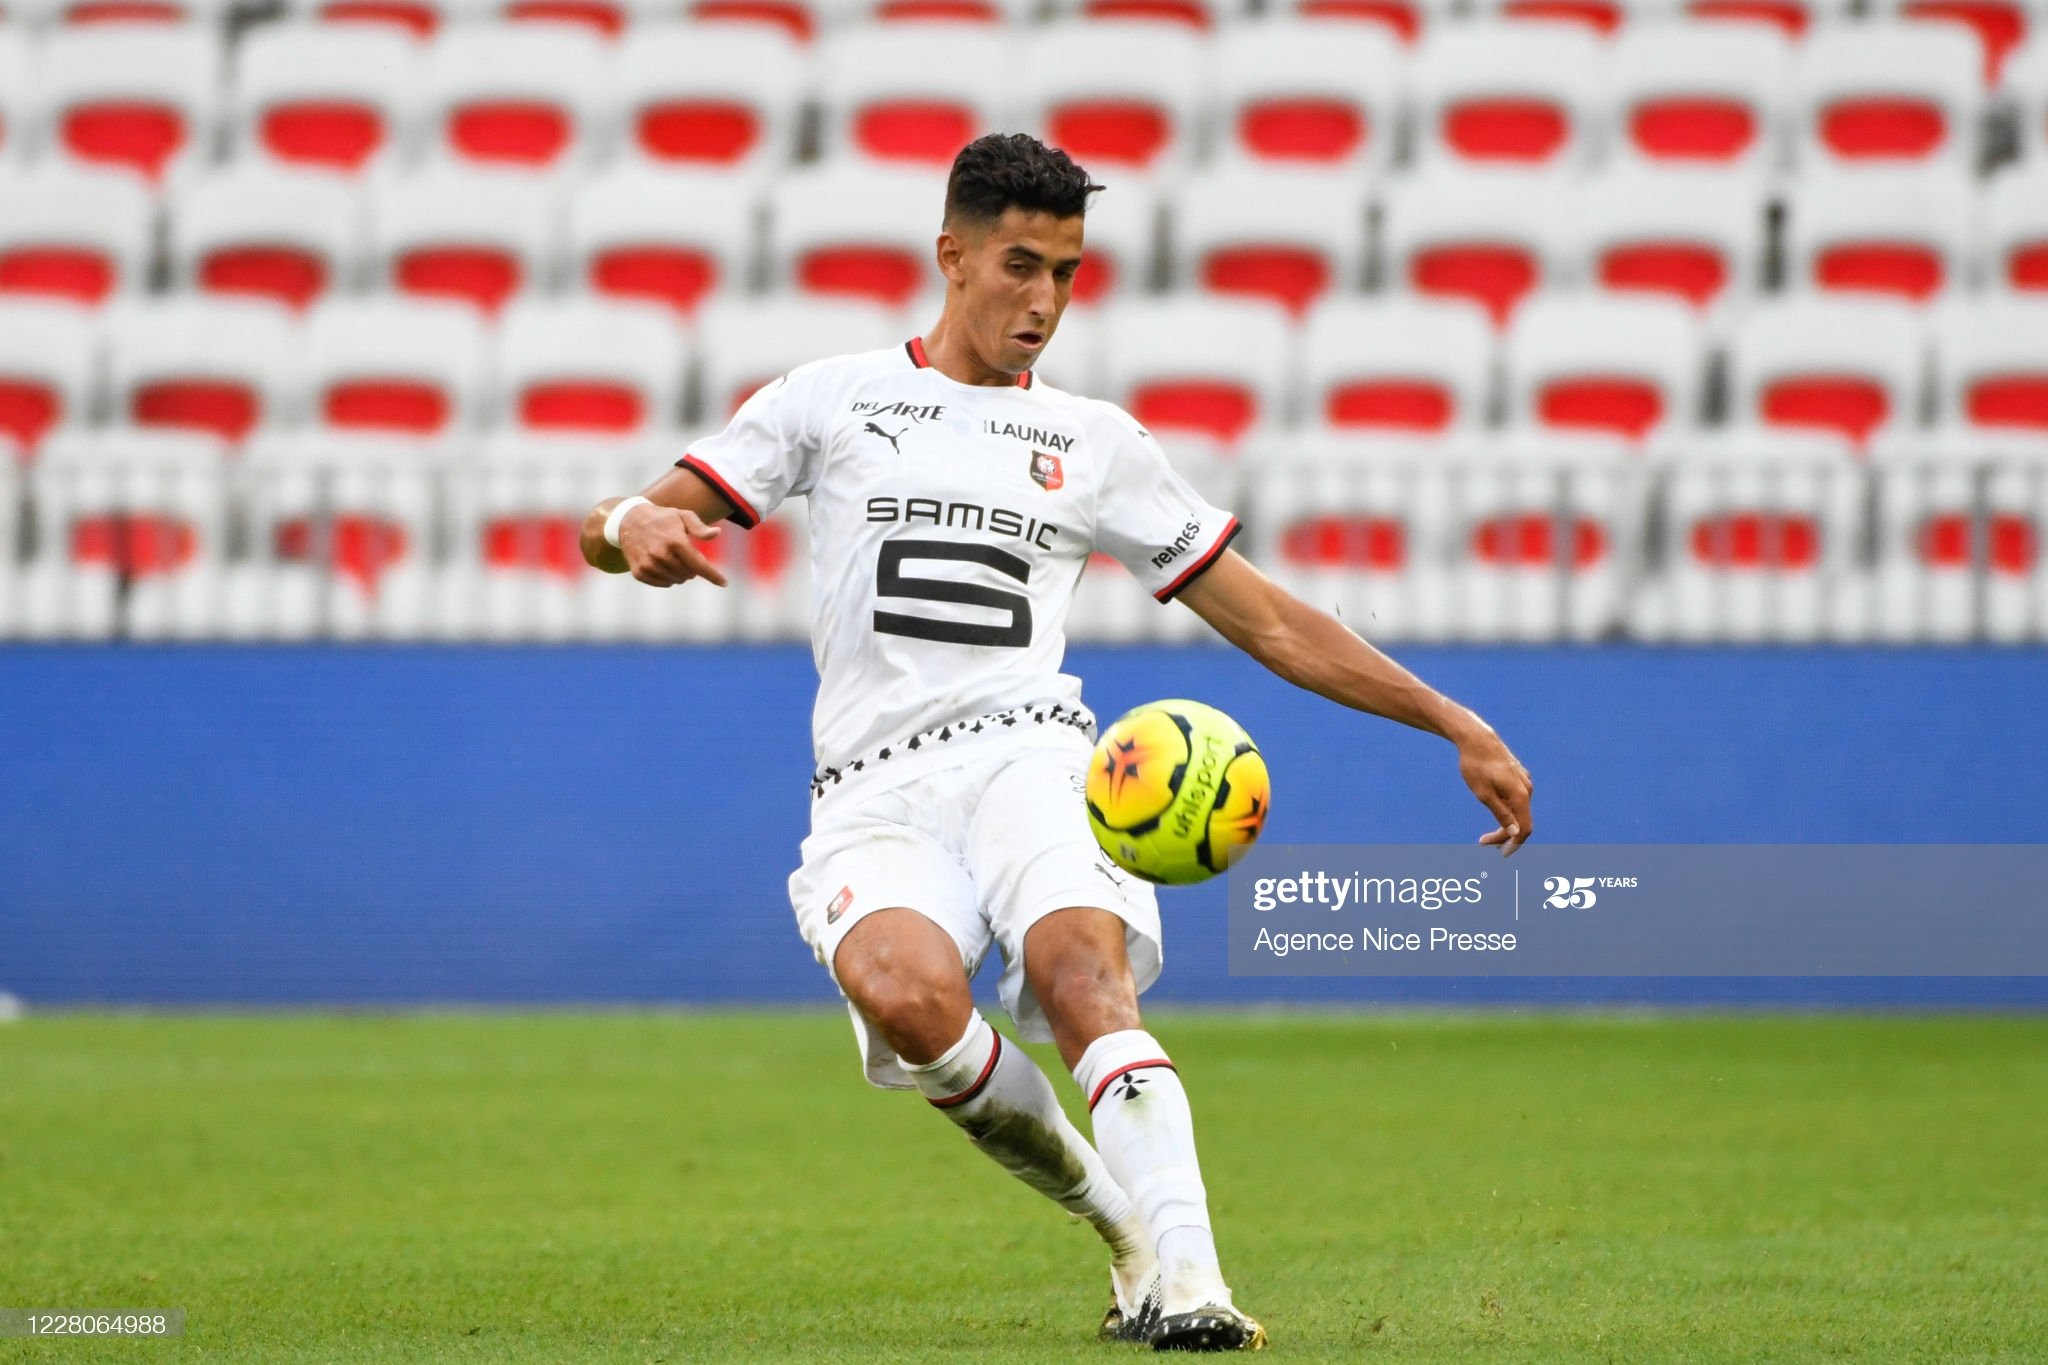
[[1045, 471], [839, 905]]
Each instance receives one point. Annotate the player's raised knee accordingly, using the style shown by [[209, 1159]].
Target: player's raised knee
[[905, 974]]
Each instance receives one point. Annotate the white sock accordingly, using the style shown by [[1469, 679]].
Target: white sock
[[1006, 1106], [1147, 1137]]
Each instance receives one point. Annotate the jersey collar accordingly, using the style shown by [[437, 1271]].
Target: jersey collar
[[915, 346]]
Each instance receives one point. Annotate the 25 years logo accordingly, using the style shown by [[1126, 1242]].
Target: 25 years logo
[[1579, 893]]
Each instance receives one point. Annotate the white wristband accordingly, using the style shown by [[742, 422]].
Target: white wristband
[[613, 522]]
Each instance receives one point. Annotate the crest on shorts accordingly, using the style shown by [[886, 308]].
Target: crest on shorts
[[838, 905], [1045, 471]]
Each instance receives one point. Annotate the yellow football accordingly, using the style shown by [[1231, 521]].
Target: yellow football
[[1177, 791]]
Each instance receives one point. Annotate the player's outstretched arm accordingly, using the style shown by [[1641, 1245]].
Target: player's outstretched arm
[[1313, 649], [659, 544]]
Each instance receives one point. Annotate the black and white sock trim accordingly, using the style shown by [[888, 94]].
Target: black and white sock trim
[[1043, 713]]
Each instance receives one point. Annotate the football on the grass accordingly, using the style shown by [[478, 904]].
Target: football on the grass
[[1177, 791]]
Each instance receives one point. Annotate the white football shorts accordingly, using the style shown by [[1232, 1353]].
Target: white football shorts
[[985, 841]]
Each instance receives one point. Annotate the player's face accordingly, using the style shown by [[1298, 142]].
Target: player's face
[[1016, 277]]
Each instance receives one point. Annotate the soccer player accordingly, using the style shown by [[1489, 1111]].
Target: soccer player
[[954, 501]]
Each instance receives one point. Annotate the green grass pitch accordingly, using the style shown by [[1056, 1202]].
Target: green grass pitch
[[660, 1187]]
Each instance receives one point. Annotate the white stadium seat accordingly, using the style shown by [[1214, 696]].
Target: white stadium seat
[[1315, 92], [1118, 96], [1290, 236], [1220, 367], [798, 20], [1624, 365], [2013, 246], [1696, 235], [51, 358], [481, 237], [1845, 366], [745, 343], [1489, 236], [516, 97], [1899, 92], [404, 368], [913, 93], [988, 12], [291, 236], [1405, 20], [1699, 93], [1197, 15], [1991, 365], [1398, 365], [1511, 93], [1904, 232], [672, 237], [717, 96], [224, 366], [416, 19], [74, 233], [1793, 18], [589, 366], [343, 97], [1999, 26], [145, 97], [854, 228]]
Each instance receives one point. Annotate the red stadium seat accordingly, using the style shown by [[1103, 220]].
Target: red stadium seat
[[855, 229], [413, 18], [1490, 237], [1792, 18], [1700, 93], [795, 19], [2014, 232], [1601, 17], [1116, 93], [1625, 365], [1902, 232], [590, 366], [676, 238], [139, 97], [328, 98], [50, 366], [1198, 15], [1404, 20], [286, 236], [396, 367], [74, 234], [223, 366], [1689, 234], [1512, 93], [1999, 26], [1161, 360], [710, 96], [909, 93], [478, 237], [1314, 93], [1852, 367], [1289, 236], [519, 97], [1397, 365], [1900, 92], [1991, 365], [1121, 251]]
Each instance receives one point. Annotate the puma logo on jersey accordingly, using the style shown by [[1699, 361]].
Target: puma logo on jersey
[[930, 412], [890, 437], [1035, 436]]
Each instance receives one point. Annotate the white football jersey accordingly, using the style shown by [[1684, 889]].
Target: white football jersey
[[949, 526]]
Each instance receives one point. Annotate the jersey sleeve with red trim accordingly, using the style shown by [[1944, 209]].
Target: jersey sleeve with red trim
[[766, 452], [1150, 518]]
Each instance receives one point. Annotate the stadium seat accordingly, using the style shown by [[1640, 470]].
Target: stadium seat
[[290, 236], [1847, 366], [1961, 522], [478, 236], [16, 107], [1398, 365], [142, 509], [70, 233], [1290, 236], [1121, 248], [855, 228], [1488, 236], [224, 366], [1991, 365], [1999, 26], [589, 366], [412, 18], [1118, 95], [671, 237], [1199, 15], [988, 12], [1402, 19], [1888, 92], [1696, 235], [911, 92], [798, 20], [1625, 365], [1882, 230], [1793, 18], [719, 96], [2013, 242], [1163, 361], [126, 12], [337, 98], [50, 367], [145, 97], [744, 343], [1699, 93], [516, 97], [1603, 18], [410, 368], [1512, 93], [1320, 93]]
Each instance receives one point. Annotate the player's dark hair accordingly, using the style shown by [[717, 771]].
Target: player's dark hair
[[1014, 170]]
